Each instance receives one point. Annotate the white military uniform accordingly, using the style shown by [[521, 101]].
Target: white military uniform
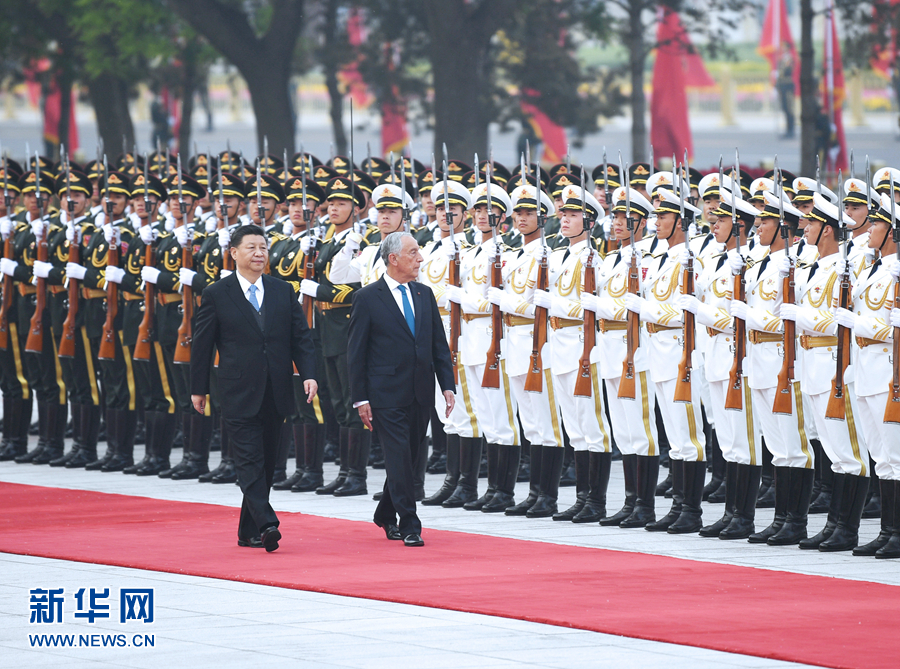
[[365, 268]]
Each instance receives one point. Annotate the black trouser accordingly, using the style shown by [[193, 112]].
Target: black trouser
[[152, 378], [401, 431], [118, 378], [14, 382], [338, 375], [254, 447]]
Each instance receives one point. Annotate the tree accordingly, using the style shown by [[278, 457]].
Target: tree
[[809, 104], [259, 39]]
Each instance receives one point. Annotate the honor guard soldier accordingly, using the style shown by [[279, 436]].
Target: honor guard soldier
[[606, 180], [426, 231]]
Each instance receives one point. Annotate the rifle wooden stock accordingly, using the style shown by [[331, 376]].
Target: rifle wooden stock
[[309, 272], [491, 376], [583, 380], [784, 391], [108, 340], [183, 347], [7, 296], [734, 396], [35, 341], [632, 336], [534, 380], [892, 410], [685, 367], [67, 342], [837, 409], [145, 330], [454, 319]]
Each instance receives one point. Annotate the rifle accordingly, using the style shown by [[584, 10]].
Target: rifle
[[734, 396], [583, 381], [35, 341], [309, 262], [405, 215], [67, 341], [685, 367], [783, 391], [7, 253], [183, 349], [145, 330], [633, 329], [491, 377], [892, 409], [453, 278], [836, 409], [534, 380], [108, 340]]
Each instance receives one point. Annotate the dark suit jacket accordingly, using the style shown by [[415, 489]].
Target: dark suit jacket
[[388, 366], [247, 357]]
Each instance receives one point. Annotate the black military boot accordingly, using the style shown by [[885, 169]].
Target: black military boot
[[469, 466], [57, 416], [821, 499], [376, 453], [359, 442], [90, 417], [124, 430], [765, 499], [524, 473], [437, 463], [551, 470], [185, 448], [163, 434], [224, 447], [20, 421], [594, 510], [568, 477], [112, 445], [835, 493], [149, 424], [629, 469], [846, 535], [746, 489], [872, 509], [493, 455], [782, 487], [42, 436], [676, 469], [313, 456], [299, 460], [344, 454], [711, 491], [582, 486], [690, 519], [730, 483], [646, 475], [794, 528], [7, 429], [664, 487], [198, 457], [534, 483], [451, 478], [507, 472], [891, 549], [887, 521]]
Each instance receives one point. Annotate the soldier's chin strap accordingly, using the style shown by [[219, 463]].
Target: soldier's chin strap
[[676, 225], [821, 231]]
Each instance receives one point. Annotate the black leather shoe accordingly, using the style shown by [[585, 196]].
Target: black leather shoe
[[154, 467], [391, 531], [227, 476], [640, 517], [270, 538], [253, 542], [48, 454], [378, 495], [193, 470], [290, 481], [117, 463], [212, 473], [501, 501], [80, 459], [308, 483], [413, 540], [544, 507], [97, 464], [738, 528]]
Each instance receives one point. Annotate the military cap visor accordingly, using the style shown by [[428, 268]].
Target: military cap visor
[[189, 186], [232, 185], [294, 190], [78, 183], [269, 186], [342, 188], [153, 186]]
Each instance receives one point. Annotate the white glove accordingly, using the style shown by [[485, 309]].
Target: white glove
[[135, 220], [589, 302], [115, 274], [893, 268], [634, 303], [108, 233], [589, 252], [895, 317], [627, 257], [308, 244], [225, 273], [149, 274], [354, 241], [224, 237], [606, 308], [100, 219], [685, 256], [688, 303], [845, 317], [181, 234], [8, 266], [869, 254], [170, 222], [788, 312], [75, 271], [736, 261], [37, 227], [70, 234], [785, 267], [6, 226], [42, 269], [309, 287], [148, 234], [211, 223], [448, 247], [692, 231], [840, 267], [495, 295], [455, 294], [543, 299], [739, 309], [186, 276]]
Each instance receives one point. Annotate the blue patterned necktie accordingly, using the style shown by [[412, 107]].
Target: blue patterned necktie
[[407, 311], [253, 297]]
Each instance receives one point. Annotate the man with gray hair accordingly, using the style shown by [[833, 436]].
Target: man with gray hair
[[396, 349]]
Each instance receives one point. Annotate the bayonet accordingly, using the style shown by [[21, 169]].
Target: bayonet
[[369, 160], [353, 177], [447, 214], [818, 183], [405, 216], [569, 162], [477, 170], [182, 205], [869, 186], [528, 156], [259, 207], [652, 166], [607, 196]]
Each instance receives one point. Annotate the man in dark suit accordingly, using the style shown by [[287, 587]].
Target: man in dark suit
[[258, 327], [396, 348]]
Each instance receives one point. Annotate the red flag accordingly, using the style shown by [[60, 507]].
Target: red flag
[[834, 92], [695, 72], [394, 135], [52, 112], [884, 57], [551, 135], [670, 133], [776, 37], [350, 74]]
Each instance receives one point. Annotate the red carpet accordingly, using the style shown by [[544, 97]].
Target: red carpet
[[810, 619]]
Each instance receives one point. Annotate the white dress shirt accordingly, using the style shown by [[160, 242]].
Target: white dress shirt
[[245, 287]]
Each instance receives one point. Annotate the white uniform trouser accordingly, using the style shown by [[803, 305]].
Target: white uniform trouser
[[738, 431], [462, 421], [683, 421], [841, 439], [494, 407], [785, 433], [633, 421], [583, 417], [811, 424], [705, 398], [883, 439], [538, 412]]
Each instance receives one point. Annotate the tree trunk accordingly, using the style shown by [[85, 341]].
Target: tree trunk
[[330, 62], [188, 88], [637, 57], [109, 97], [64, 81], [808, 102], [272, 106]]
